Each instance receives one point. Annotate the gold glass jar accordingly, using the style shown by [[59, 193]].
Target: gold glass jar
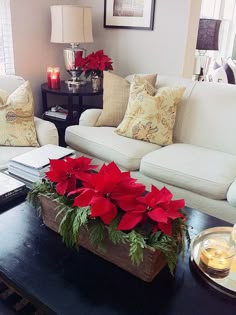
[[216, 256]]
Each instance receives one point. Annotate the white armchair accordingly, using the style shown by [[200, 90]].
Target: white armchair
[[46, 131]]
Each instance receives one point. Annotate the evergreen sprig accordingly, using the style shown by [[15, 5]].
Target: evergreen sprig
[[71, 223], [167, 245], [136, 247], [96, 233], [45, 188], [117, 237]]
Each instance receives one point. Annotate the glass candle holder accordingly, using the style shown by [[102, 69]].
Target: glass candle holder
[[216, 256], [54, 81], [56, 71], [49, 75]]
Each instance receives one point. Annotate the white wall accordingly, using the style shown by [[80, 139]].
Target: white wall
[[168, 49], [33, 52]]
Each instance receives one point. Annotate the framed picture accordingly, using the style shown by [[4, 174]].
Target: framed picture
[[133, 14]]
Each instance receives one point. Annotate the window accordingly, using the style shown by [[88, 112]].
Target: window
[[224, 10], [6, 45]]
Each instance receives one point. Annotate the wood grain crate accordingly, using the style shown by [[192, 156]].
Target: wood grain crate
[[153, 260]]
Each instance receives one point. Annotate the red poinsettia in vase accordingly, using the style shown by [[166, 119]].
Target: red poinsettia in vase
[[93, 66], [95, 63], [112, 199]]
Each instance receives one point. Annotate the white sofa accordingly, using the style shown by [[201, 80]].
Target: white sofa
[[201, 164], [46, 131]]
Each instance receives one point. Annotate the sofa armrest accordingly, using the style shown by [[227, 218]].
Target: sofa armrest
[[231, 194], [46, 132], [89, 117]]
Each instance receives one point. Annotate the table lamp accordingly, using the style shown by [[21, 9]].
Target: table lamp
[[72, 24], [207, 39]]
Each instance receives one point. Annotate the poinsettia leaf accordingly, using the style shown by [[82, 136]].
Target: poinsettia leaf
[[177, 204], [158, 215], [109, 216], [131, 205], [166, 228], [101, 205], [174, 214], [61, 187], [164, 195], [129, 221], [84, 199]]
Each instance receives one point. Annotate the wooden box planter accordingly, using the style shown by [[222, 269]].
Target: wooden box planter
[[153, 260]]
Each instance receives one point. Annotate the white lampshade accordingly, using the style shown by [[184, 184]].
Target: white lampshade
[[71, 24]]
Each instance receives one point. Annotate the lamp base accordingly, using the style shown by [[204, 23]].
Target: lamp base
[[77, 83], [72, 58]]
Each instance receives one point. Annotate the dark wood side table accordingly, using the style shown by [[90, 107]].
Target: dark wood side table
[[75, 104]]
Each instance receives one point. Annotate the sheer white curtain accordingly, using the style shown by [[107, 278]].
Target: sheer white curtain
[[6, 46], [224, 10]]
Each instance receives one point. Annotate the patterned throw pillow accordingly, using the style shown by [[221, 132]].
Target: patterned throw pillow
[[218, 75], [150, 116], [3, 96], [230, 69], [225, 73], [115, 98], [17, 118]]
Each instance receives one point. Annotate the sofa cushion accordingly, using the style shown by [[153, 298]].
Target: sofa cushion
[[206, 117], [17, 118], [115, 98], [150, 115], [203, 171], [105, 144]]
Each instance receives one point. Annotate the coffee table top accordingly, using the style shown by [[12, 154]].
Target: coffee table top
[[34, 260]]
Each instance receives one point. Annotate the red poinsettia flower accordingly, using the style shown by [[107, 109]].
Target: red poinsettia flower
[[65, 172], [97, 62], [106, 190], [158, 206]]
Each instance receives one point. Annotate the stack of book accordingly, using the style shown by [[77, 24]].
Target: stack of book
[[10, 188], [50, 113], [31, 166], [59, 112]]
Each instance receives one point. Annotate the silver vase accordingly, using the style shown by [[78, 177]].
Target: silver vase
[[96, 82]]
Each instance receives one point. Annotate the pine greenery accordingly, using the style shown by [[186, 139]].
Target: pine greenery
[[167, 246], [136, 246], [73, 218], [46, 188], [117, 237], [71, 223], [97, 233]]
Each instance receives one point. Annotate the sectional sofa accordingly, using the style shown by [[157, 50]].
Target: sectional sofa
[[200, 166]]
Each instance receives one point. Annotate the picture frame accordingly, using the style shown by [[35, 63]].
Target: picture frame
[[129, 14]]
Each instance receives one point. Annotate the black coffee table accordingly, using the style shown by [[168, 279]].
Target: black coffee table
[[36, 263]]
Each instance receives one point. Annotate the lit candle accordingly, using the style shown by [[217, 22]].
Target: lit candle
[[49, 75], [216, 256], [56, 71], [54, 81]]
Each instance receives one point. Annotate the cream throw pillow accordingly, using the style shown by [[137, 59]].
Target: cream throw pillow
[[115, 98], [17, 118], [150, 116], [3, 96]]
